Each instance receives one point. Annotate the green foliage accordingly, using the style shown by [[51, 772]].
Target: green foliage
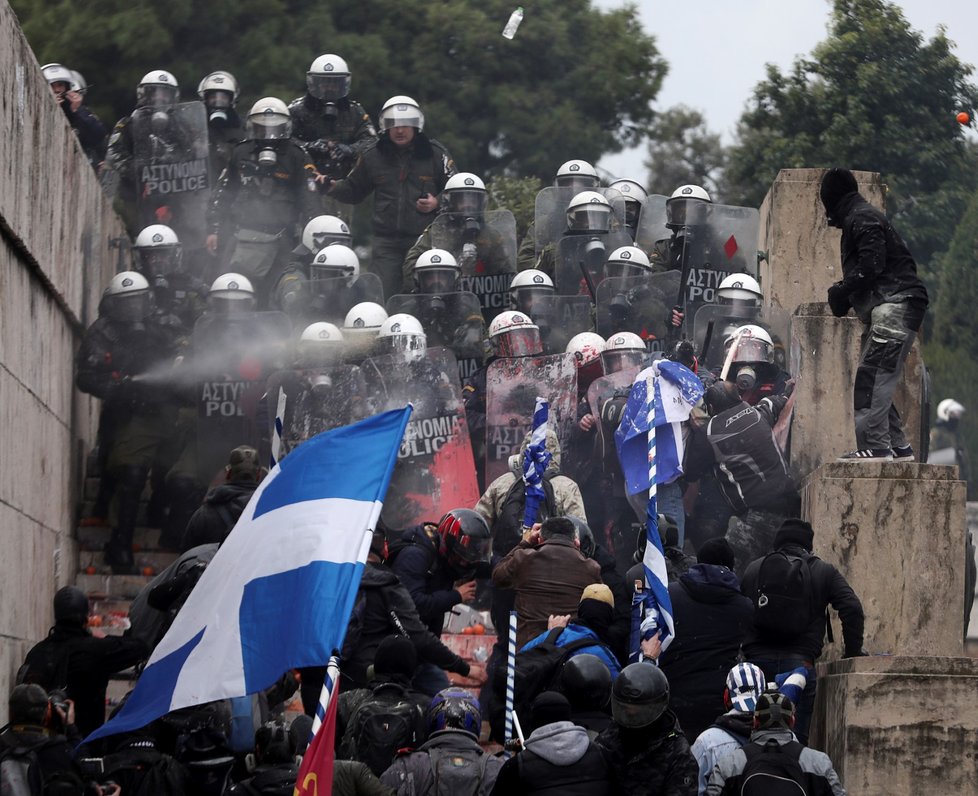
[[516, 194], [874, 96], [682, 150], [574, 82]]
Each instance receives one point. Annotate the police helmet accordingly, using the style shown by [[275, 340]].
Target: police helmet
[[328, 78]]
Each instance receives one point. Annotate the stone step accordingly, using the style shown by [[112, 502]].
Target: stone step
[[94, 538], [115, 586], [92, 562]]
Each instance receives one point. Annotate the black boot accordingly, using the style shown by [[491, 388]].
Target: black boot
[[118, 551]]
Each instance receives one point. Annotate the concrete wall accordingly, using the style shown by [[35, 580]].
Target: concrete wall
[[54, 259]]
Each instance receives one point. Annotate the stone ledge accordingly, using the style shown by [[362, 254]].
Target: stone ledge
[[888, 470], [945, 666]]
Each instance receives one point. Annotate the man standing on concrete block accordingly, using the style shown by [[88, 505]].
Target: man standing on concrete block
[[791, 590], [880, 282]]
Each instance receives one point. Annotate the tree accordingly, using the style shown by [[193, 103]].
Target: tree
[[575, 82], [874, 96], [682, 150]]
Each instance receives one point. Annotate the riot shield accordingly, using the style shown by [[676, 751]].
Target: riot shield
[[713, 324], [170, 155], [450, 320], [233, 357], [560, 318], [615, 385], [706, 253], [512, 387], [652, 224], [331, 299], [584, 252], [639, 304], [435, 471], [485, 248], [550, 213], [316, 400]]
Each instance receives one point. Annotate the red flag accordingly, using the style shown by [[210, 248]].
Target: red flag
[[316, 772]]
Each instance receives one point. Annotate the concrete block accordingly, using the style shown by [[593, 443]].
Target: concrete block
[[802, 250], [896, 532], [824, 355], [902, 725]]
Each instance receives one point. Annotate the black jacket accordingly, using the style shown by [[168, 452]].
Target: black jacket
[[829, 587], [651, 761], [54, 754], [215, 518], [428, 580], [877, 266], [712, 619], [91, 661]]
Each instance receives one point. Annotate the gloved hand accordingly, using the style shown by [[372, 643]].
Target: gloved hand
[[838, 298], [341, 152]]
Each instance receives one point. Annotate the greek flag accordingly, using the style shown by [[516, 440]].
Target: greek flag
[[535, 462], [279, 592]]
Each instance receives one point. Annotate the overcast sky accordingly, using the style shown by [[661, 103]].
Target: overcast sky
[[717, 49]]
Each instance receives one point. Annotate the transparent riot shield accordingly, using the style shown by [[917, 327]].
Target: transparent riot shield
[[170, 156], [233, 356], [512, 387], [550, 213], [581, 259], [314, 401], [435, 471], [713, 324], [560, 318], [450, 320], [652, 224], [331, 299], [639, 304], [485, 248]]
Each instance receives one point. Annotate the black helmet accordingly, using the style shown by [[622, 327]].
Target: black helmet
[[640, 695], [586, 682], [464, 538], [70, 606], [584, 536]]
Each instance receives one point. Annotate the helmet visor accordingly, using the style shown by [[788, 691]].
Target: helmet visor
[[320, 240], [531, 300], [614, 268], [465, 551], [614, 361], [320, 273], [401, 116], [589, 218], [159, 260], [752, 349], [231, 302], [313, 354], [411, 346], [523, 342], [269, 127], [466, 201], [436, 280], [328, 87], [577, 182], [129, 307], [682, 212], [157, 96], [629, 714], [218, 99], [633, 209]]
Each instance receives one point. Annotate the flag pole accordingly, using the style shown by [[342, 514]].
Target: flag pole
[[652, 514], [329, 688], [277, 430], [510, 677]]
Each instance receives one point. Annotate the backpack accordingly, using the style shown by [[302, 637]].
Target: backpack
[[773, 770], [507, 531], [20, 774], [274, 781], [458, 772], [784, 599], [386, 722], [47, 665], [144, 771]]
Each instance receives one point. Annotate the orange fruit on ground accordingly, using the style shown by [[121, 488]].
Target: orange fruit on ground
[[478, 629], [90, 569], [147, 571], [963, 117], [467, 631]]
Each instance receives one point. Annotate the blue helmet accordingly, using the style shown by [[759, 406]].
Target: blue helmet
[[455, 709]]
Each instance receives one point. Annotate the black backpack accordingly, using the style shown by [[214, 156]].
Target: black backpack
[[47, 665], [20, 774], [145, 771], [382, 725], [773, 769], [458, 772], [784, 599], [274, 781]]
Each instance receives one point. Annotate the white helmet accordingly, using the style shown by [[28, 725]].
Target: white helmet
[[513, 334], [528, 287], [269, 120], [231, 293], [401, 111], [218, 90], [687, 206], [622, 350], [949, 409], [78, 82], [56, 73], [335, 260], [320, 343], [127, 297], [589, 211], [157, 89], [586, 348], [627, 261], [402, 334], [754, 344], [631, 190], [158, 250], [436, 271], [328, 78], [578, 174], [739, 287], [364, 319], [321, 231], [465, 193]]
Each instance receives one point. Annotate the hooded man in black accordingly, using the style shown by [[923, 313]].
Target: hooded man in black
[[880, 282]]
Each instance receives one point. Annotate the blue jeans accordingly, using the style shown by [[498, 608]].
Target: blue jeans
[[804, 709]]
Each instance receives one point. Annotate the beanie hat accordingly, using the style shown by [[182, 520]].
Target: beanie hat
[[598, 591], [27, 704], [395, 658], [717, 552], [243, 464], [836, 185], [773, 710], [795, 531], [548, 708]]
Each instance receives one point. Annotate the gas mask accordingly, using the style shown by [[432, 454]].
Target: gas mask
[[746, 379], [159, 121], [267, 157]]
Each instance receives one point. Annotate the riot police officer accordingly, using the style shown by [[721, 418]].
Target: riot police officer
[[219, 93]]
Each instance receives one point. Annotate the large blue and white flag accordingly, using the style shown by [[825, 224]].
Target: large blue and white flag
[[280, 590], [536, 459], [676, 391]]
